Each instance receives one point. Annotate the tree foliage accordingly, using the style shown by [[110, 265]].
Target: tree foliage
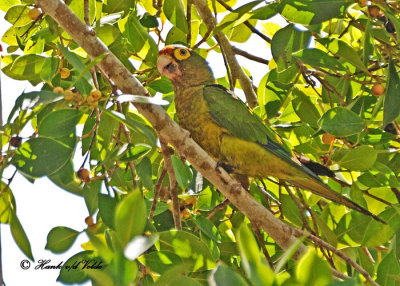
[[331, 89]]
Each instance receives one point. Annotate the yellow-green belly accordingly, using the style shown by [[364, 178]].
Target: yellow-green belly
[[246, 158]]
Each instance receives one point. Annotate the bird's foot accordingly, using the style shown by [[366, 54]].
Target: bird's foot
[[228, 168]]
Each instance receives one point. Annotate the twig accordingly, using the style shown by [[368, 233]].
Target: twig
[[262, 245], [249, 56], [189, 21], [86, 12], [173, 185], [247, 23], [345, 258], [396, 193], [217, 208], [236, 69], [157, 193], [127, 134]]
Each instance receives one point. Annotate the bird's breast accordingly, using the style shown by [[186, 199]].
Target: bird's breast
[[193, 115]]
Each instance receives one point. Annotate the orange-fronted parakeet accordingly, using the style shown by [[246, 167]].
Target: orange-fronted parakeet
[[229, 131]]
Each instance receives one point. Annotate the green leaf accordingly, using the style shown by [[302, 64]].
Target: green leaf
[[188, 247], [290, 210], [113, 6], [309, 12], [60, 239], [224, 275], [311, 270], [60, 123], [18, 15], [38, 157], [107, 207], [32, 99], [341, 122], [207, 227], [130, 217], [106, 129], [175, 36], [392, 98], [305, 108], [65, 178], [388, 270], [26, 67], [344, 50], [386, 231], [7, 203], [182, 172], [318, 58], [142, 43], [174, 10], [356, 159], [138, 245], [19, 236], [160, 261], [144, 171], [287, 41], [74, 60], [49, 68], [255, 268], [6, 4], [149, 21], [76, 268]]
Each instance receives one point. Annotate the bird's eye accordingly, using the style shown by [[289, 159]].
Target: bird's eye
[[181, 54]]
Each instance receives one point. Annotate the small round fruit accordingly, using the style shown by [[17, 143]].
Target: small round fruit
[[15, 141], [362, 3], [377, 89], [34, 13], [58, 89], [84, 175], [64, 72], [90, 100], [328, 138], [373, 11], [89, 221], [95, 93]]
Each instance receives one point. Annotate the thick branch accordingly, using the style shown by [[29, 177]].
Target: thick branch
[[236, 69], [168, 130]]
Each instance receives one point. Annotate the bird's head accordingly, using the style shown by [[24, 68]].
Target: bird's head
[[183, 66]]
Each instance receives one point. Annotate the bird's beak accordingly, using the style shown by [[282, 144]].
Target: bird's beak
[[163, 61]]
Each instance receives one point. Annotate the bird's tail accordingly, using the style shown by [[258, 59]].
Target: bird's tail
[[323, 190]]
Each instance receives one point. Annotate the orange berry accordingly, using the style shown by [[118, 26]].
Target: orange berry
[[362, 3], [373, 11], [84, 175], [58, 89], [328, 138], [34, 13], [89, 221], [90, 100], [185, 213], [95, 93], [377, 89], [64, 72]]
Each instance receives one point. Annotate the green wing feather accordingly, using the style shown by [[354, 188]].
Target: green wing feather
[[233, 114]]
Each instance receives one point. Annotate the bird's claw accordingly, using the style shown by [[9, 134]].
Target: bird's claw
[[228, 168]]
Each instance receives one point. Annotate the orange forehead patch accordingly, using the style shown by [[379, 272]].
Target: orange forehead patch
[[166, 51]]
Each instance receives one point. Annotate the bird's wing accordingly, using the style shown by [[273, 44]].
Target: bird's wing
[[234, 115]]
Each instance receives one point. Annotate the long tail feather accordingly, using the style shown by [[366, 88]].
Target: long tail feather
[[323, 190]]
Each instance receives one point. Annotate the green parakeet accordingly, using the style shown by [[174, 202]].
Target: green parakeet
[[228, 130]]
